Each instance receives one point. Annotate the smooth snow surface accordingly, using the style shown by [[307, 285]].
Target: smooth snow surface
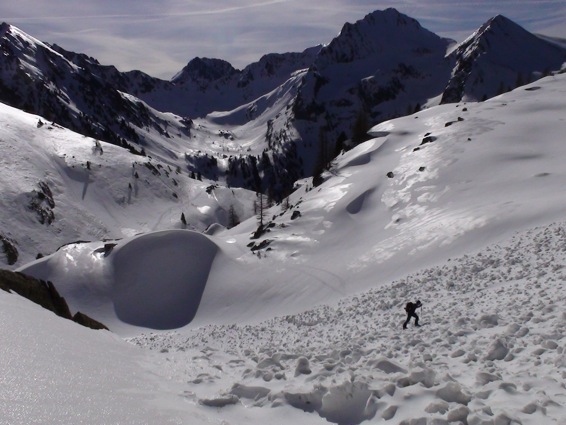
[[460, 206]]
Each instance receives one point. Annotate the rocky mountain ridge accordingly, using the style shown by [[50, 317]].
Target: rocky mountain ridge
[[282, 118]]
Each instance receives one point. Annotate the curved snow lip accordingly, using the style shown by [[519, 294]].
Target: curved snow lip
[[159, 278]]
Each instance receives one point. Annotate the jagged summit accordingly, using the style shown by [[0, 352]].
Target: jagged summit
[[378, 68], [501, 23], [391, 17], [3, 28], [80, 59], [13, 40]]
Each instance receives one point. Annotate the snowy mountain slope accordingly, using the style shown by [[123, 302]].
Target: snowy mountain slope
[[70, 89], [490, 349], [60, 187], [436, 184], [383, 66], [459, 206]]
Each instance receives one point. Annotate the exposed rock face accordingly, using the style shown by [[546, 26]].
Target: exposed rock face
[[44, 294], [89, 322], [10, 251]]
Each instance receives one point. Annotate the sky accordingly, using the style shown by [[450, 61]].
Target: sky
[[159, 37]]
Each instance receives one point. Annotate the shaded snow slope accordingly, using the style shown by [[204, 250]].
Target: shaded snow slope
[[168, 295], [154, 280]]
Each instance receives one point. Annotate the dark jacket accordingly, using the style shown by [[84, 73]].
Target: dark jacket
[[410, 308]]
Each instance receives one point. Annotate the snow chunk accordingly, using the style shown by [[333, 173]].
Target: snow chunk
[[488, 320], [424, 376], [253, 393], [349, 403], [460, 413], [220, 401], [386, 365], [483, 378], [303, 367], [439, 406], [452, 393], [497, 350]]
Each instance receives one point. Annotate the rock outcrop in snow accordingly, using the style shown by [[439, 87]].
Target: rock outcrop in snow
[[44, 294]]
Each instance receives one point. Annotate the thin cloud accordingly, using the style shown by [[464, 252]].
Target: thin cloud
[[152, 16], [160, 37]]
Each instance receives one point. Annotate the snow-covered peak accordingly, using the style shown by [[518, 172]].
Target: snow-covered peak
[[502, 25], [16, 35], [498, 57], [505, 39]]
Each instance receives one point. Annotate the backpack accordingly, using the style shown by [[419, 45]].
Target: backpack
[[409, 307]]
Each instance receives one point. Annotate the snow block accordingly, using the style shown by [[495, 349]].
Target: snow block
[[303, 367], [452, 393], [386, 366], [497, 350], [220, 401]]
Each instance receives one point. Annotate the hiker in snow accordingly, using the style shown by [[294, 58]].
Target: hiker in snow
[[411, 309]]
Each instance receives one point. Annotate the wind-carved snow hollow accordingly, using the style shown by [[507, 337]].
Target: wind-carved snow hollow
[[159, 278]]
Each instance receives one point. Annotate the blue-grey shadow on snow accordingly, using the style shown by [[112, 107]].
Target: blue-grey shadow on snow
[[159, 278]]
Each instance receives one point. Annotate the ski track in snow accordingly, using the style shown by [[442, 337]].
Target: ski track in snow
[[491, 349]]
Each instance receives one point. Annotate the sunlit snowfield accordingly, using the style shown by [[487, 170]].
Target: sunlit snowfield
[[309, 331]]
